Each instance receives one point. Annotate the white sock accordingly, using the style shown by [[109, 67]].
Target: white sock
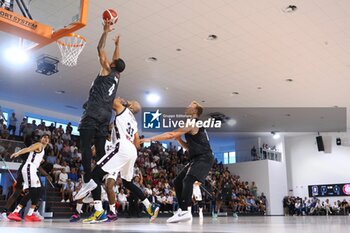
[[189, 209], [18, 208], [98, 206], [112, 208], [146, 203], [79, 207], [200, 210], [30, 212]]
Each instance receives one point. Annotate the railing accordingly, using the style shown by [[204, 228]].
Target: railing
[[8, 147]]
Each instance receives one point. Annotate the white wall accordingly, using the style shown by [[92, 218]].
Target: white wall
[[307, 166], [278, 188], [243, 149], [270, 178]]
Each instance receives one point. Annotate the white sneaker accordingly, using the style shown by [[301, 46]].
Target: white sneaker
[[3, 217], [85, 189], [68, 201], [39, 215], [63, 200], [180, 216]]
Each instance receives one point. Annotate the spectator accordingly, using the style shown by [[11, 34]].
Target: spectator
[[73, 176], [22, 126], [63, 177], [122, 199], [327, 207], [13, 123], [254, 189], [69, 128], [67, 190], [57, 169], [34, 125]]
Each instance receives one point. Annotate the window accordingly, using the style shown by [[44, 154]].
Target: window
[[229, 157], [146, 144], [165, 145], [31, 119], [6, 115], [232, 157], [75, 130], [48, 123], [226, 158]]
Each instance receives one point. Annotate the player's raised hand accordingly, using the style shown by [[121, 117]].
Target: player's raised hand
[[107, 25], [14, 155], [116, 39]]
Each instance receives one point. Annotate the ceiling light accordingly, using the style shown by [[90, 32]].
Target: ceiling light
[[212, 37], [70, 106], [235, 93], [16, 55], [231, 122], [259, 88], [151, 59], [152, 98], [275, 135], [178, 49], [60, 92], [203, 101], [289, 80], [290, 9]]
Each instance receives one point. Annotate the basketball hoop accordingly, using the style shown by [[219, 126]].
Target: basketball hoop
[[71, 46]]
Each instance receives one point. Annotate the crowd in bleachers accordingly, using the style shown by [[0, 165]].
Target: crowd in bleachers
[[155, 169], [314, 206]]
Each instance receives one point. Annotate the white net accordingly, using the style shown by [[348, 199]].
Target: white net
[[70, 47]]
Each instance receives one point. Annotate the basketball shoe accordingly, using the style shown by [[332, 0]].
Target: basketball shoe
[[153, 211], [32, 218], [112, 216], [14, 216], [75, 217], [180, 216], [85, 189], [3, 217], [98, 216]]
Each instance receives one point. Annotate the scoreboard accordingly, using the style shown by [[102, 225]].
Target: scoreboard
[[329, 190]]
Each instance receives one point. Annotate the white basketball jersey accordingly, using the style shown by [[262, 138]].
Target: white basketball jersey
[[126, 126], [36, 158]]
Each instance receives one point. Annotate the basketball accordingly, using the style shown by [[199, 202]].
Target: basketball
[[111, 15]]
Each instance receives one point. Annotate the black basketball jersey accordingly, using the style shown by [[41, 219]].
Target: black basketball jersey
[[101, 96], [198, 144]]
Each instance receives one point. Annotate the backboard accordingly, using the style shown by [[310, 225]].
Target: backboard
[[51, 20]]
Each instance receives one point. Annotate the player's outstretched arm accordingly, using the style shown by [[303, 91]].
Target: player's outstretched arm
[[35, 147], [105, 67]]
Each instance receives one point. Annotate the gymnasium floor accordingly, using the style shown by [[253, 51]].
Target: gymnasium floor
[[309, 224]]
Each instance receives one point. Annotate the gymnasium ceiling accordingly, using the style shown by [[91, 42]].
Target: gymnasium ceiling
[[258, 47]]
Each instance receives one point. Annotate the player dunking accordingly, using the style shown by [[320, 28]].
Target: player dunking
[[31, 181], [98, 108], [201, 161]]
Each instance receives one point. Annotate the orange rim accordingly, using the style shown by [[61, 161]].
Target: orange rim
[[73, 45]]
